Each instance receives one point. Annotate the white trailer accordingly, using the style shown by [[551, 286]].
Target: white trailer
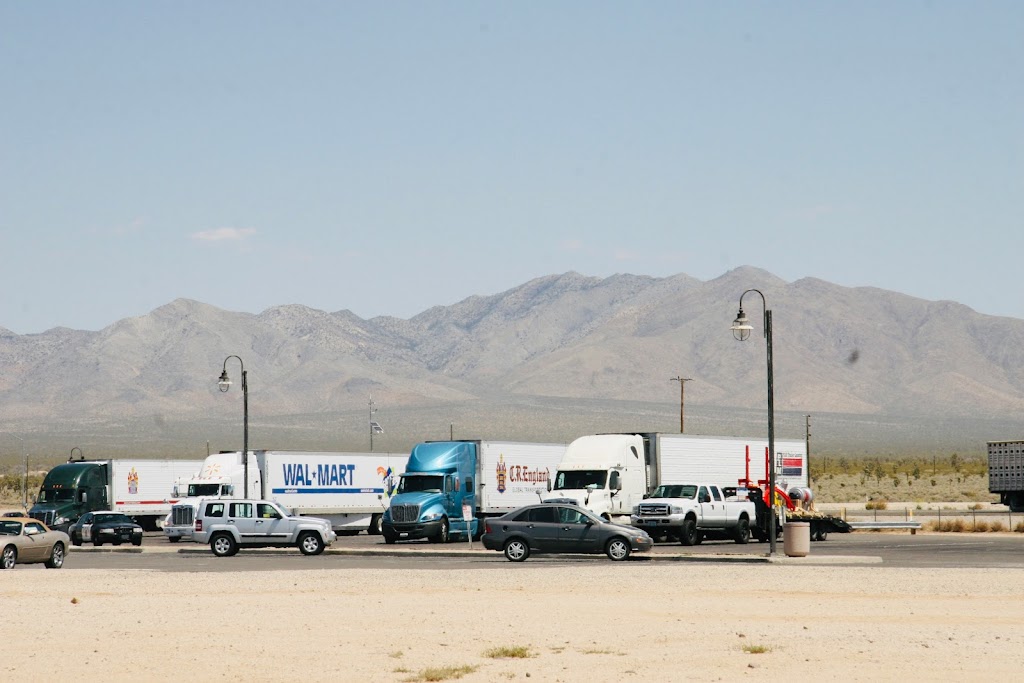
[[514, 474], [351, 490], [610, 474], [723, 460]]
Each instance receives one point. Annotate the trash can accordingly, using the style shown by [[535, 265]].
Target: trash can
[[796, 539]]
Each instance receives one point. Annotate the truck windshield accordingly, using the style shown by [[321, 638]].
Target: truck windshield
[[432, 483], [580, 479], [197, 490], [56, 496], [675, 491]]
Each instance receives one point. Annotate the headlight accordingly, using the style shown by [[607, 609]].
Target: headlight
[[430, 517], [60, 520], [636, 509], [676, 510]]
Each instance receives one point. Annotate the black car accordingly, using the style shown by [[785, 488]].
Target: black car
[[561, 528], [105, 527]]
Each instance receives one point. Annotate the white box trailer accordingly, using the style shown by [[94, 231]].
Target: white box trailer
[[722, 460], [144, 488], [513, 474], [352, 490]]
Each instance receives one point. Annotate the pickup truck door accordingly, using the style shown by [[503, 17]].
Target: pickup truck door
[[712, 510]]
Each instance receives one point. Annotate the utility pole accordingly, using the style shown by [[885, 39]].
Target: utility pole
[[682, 399], [808, 443], [372, 411]]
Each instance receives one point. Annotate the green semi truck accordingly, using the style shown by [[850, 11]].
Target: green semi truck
[[142, 489]]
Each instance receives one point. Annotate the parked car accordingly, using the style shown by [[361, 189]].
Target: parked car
[[105, 526], [24, 540], [14, 513], [561, 528], [228, 524]]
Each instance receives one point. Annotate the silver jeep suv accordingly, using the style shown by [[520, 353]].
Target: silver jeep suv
[[228, 524]]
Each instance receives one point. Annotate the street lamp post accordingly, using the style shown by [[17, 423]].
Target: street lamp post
[[741, 329], [225, 383]]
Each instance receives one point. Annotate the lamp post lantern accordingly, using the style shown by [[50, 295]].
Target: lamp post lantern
[[225, 383], [741, 329]]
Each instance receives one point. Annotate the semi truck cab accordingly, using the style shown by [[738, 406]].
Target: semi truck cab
[[439, 480], [69, 491]]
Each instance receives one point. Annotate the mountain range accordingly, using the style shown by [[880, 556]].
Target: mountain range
[[556, 357]]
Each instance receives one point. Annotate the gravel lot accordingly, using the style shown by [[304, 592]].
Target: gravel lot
[[592, 621]]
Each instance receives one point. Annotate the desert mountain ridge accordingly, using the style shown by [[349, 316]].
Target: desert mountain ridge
[[556, 354]]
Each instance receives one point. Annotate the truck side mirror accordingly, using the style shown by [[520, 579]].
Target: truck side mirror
[[84, 496], [549, 484]]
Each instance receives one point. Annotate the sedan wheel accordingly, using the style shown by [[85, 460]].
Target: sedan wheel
[[516, 550], [617, 549], [10, 557], [56, 560]]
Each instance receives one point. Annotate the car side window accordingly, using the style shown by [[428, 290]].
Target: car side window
[[34, 528], [241, 510], [266, 511], [715, 493], [215, 510], [703, 496], [570, 516], [546, 515]]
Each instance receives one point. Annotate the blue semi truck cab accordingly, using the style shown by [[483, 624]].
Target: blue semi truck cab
[[439, 479]]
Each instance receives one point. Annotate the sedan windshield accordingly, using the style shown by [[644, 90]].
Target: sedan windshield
[[431, 483], [580, 479], [10, 528], [112, 519]]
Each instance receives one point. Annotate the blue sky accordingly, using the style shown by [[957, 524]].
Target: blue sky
[[388, 157]]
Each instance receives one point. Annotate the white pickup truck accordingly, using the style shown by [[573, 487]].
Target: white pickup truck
[[689, 511]]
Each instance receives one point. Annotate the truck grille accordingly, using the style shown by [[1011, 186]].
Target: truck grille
[[44, 517], [182, 516], [405, 513], [653, 509]]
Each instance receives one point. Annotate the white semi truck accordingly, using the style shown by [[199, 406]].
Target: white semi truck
[[350, 490], [610, 474]]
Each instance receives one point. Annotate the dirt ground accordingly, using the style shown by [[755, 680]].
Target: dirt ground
[[593, 621]]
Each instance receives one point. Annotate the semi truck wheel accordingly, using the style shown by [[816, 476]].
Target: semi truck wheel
[[376, 525], [442, 532]]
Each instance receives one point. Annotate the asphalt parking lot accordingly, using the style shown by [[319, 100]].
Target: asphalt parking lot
[[890, 549]]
